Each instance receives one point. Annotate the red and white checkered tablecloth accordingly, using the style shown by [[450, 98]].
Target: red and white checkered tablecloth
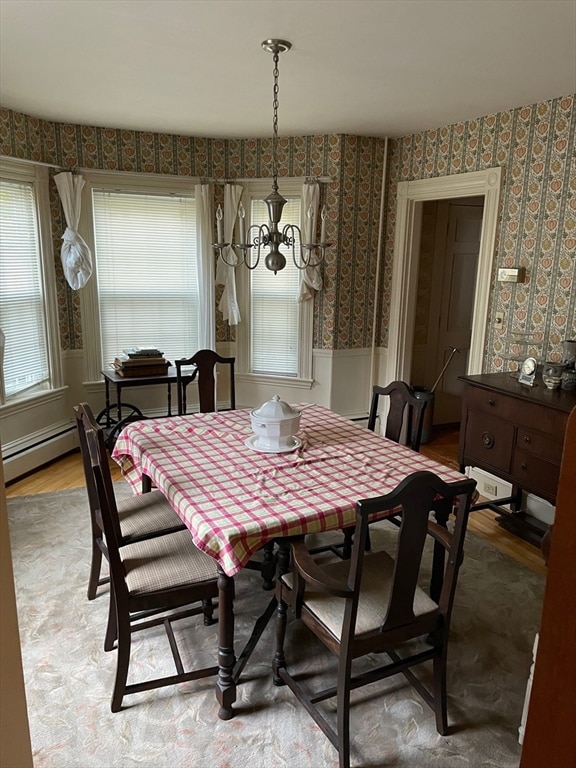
[[234, 499]]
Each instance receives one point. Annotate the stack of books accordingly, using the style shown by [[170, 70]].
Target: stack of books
[[141, 361]]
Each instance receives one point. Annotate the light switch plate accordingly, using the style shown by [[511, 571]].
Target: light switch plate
[[515, 275]]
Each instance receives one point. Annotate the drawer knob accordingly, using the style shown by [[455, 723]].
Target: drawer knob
[[491, 402], [526, 439], [522, 466], [487, 440]]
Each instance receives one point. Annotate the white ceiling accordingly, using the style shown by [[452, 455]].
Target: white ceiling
[[365, 67]]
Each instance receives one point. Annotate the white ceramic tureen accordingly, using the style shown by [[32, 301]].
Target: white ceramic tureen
[[275, 424]]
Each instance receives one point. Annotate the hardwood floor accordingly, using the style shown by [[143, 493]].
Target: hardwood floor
[[67, 472]]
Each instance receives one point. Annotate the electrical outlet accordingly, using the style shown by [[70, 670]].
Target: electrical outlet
[[491, 489], [499, 319]]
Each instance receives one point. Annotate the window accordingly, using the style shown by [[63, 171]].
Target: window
[[27, 286], [146, 267], [275, 336]]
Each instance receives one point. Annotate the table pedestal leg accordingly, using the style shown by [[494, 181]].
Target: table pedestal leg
[[225, 685], [268, 569]]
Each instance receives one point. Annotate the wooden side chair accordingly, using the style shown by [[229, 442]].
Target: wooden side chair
[[404, 407], [154, 582], [140, 517], [205, 361], [372, 604]]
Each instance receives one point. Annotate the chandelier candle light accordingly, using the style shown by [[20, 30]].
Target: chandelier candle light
[[269, 235]]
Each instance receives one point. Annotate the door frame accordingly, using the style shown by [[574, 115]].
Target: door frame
[[410, 198]]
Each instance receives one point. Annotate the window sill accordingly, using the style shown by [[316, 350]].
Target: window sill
[[284, 381], [24, 403]]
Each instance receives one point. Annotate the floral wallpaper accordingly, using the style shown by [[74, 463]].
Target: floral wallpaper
[[344, 307], [535, 145]]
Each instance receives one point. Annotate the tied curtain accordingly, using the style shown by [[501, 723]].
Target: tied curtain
[[225, 274], [310, 276], [204, 248], [75, 255]]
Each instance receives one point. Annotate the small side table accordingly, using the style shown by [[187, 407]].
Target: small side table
[[111, 377], [127, 411]]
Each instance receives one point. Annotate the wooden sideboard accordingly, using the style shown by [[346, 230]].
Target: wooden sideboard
[[516, 433]]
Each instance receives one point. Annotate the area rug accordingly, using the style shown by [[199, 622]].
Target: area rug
[[69, 677]]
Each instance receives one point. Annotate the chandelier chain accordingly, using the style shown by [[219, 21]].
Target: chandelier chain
[[275, 124]]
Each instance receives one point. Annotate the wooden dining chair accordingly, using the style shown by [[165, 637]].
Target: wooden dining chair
[[405, 415], [373, 604], [154, 582], [140, 517], [403, 425], [204, 362]]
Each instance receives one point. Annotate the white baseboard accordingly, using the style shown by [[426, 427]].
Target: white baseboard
[[30, 459]]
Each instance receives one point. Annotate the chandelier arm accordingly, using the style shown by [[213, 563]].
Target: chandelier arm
[[257, 242], [289, 233], [221, 247]]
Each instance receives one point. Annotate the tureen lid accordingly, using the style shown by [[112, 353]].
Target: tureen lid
[[275, 410]]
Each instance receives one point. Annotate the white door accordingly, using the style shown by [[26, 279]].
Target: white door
[[452, 302]]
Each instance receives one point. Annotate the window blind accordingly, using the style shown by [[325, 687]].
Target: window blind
[[275, 315], [22, 316], [146, 266]]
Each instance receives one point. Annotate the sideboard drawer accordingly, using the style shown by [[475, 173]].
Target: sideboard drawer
[[478, 399], [539, 475], [537, 444], [489, 441], [517, 411]]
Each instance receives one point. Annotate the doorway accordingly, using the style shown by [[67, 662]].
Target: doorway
[[411, 196], [448, 262]]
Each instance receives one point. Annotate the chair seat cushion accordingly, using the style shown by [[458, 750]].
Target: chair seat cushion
[[374, 595], [146, 514], [165, 562]]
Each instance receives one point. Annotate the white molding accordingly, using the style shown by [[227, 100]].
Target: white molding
[[356, 352], [35, 439], [25, 404], [35, 456], [283, 381], [411, 195]]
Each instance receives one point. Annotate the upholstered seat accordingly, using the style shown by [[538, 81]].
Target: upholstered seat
[[146, 516], [377, 581], [165, 562]]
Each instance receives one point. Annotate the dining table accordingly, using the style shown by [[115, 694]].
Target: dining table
[[236, 499]]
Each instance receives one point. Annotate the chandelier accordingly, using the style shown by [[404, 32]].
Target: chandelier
[[269, 235]]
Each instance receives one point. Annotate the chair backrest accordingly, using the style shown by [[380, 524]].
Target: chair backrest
[[403, 403], [205, 361], [415, 495], [86, 422], [102, 481]]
